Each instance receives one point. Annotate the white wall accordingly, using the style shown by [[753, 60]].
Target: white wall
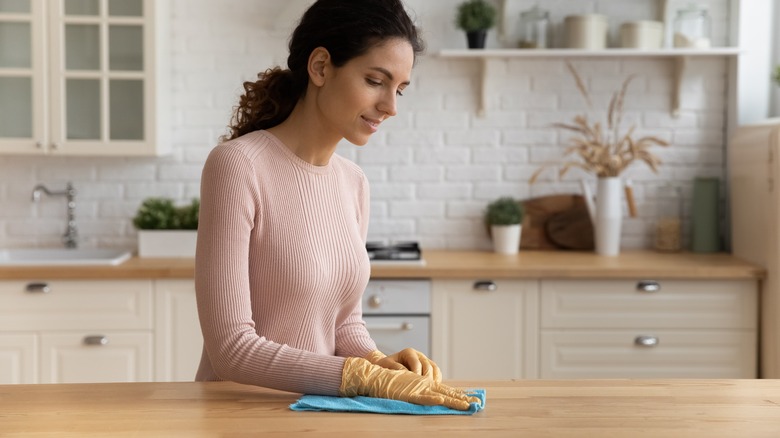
[[433, 168]]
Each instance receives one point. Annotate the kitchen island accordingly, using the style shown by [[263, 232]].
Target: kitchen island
[[528, 408]]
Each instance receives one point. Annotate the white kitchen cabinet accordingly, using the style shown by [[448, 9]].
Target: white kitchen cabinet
[[648, 329], [485, 329], [18, 358], [84, 77], [178, 339], [78, 331], [96, 356]]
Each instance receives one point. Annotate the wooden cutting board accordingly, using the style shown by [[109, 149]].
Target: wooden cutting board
[[556, 222]]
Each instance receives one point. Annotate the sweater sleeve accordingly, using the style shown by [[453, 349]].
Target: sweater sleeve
[[229, 211]]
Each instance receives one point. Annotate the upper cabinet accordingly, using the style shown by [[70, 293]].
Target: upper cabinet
[[84, 77]]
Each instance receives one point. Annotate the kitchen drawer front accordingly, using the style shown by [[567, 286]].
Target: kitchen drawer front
[[677, 304], [717, 354], [75, 305], [94, 357], [383, 297]]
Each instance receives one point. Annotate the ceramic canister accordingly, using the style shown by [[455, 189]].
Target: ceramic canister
[[585, 31], [643, 34]]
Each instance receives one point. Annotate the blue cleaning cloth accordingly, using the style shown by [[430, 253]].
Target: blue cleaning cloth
[[381, 405]]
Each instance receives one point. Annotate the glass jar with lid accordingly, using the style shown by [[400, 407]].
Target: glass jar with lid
[[692, 27], [668, 227], [534, 27]]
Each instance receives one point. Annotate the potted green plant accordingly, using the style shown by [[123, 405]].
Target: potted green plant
[[475, 17], [776, 75], [166, 230], [504, 216]]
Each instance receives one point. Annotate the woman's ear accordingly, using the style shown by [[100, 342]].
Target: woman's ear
[[319, 60]]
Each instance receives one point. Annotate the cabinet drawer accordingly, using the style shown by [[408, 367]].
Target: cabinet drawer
[[622, 304], [93, 357], [75, 305], [717, 354]]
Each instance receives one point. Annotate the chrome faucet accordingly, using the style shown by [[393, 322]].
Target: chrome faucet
[[70, 238]]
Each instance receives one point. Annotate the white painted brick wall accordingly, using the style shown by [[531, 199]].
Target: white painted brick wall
[[435, 166]]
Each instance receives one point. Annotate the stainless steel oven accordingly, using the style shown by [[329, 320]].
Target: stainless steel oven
[[398, 314]]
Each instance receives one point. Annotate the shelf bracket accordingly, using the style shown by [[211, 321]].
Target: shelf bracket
[[483, 87], [680, 63]]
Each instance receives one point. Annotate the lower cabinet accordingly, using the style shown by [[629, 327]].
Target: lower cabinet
[[485, 328], [178, 339], [559, 329], [67, 331]]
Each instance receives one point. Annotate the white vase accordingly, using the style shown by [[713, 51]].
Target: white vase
[[609, 216], [167, 243], [506, 238]]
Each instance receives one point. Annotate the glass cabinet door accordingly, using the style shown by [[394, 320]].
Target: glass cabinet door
[[101, 87], [22, 76]]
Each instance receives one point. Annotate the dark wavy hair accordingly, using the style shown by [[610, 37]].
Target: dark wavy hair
[[346, 28]]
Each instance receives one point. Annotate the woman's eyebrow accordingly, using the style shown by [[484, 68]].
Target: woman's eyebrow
[[387, 73]]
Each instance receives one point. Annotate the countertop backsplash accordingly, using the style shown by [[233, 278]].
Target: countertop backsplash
[[435, 166]]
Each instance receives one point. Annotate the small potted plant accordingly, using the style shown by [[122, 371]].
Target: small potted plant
[[475, 17], [776, 75], [504, 216], [165, 230]]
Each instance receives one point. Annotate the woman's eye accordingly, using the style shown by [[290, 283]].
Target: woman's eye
[[373, 82]]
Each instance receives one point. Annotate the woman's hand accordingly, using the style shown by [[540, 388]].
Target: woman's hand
[[360, 377], [407, 359]]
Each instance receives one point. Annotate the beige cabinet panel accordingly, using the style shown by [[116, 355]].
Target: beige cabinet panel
[[484, 329], [626, 304], [717, 354], [96, 357], [178, 339], [18, 358], [76, 305]]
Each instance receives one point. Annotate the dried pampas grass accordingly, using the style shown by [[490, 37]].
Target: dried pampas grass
[[604, 152]]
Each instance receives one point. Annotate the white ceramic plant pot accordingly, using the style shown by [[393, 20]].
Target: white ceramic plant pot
[[167, 243], [506, 238]]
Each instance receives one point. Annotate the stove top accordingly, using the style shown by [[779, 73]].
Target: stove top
[[395, 252]]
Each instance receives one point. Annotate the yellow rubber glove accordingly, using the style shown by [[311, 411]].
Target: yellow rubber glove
[[361, 377], [406, 359]]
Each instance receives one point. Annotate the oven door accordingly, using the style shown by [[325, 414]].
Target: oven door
[[394, 333]]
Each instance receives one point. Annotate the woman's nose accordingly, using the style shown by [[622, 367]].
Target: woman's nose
[[388, 104]]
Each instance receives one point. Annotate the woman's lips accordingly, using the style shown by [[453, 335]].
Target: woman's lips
[[373, 125]]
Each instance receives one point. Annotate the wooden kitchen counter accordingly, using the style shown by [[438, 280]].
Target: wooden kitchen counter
[[458, 264], [528, 408]]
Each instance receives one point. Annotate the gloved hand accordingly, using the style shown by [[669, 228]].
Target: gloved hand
[[361, 377], [407, 359]]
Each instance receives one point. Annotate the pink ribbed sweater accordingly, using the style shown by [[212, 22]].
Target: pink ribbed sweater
[[281, 266]]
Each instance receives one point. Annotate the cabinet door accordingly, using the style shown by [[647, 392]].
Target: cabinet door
[[23, 118], [96, 357], [485, 329], [18, 358], [178, 339]]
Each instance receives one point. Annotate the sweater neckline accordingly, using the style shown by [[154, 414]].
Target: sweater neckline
[[296, 160]]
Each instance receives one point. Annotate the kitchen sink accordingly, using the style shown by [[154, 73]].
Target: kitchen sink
[[62, 256]]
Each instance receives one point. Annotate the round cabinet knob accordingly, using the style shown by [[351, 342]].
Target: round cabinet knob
[[374, 301], [406, 326], [646, 341]]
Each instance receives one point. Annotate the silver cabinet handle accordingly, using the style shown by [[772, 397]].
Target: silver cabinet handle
[[95, 340], [485, 285], [404, 326], [646, 341], [38, 288], [648, 286]]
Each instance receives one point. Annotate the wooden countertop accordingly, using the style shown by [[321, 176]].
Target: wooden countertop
[[458, 264], [528, 408]]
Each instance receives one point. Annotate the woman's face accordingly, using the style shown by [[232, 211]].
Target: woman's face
[[357, 97]]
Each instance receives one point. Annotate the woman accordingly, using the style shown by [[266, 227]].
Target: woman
[[281, 262]]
